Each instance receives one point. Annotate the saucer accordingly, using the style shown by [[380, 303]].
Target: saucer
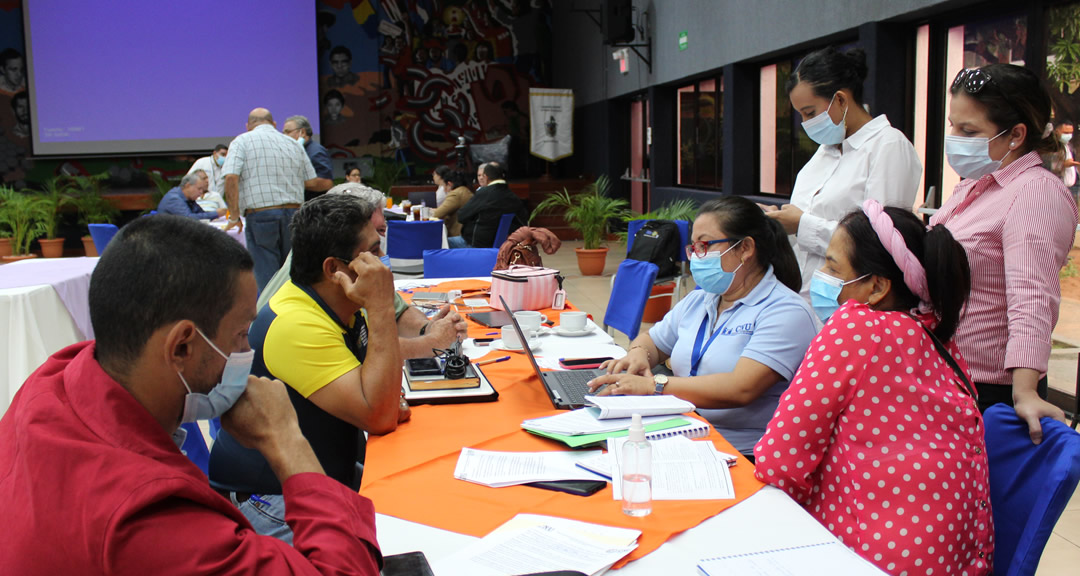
[[497, 344], [560, 331]]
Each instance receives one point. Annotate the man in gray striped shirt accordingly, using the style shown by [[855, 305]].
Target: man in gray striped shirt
[[265, 176]]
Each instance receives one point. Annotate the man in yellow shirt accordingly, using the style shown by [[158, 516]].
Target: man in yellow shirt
[[333, 340]]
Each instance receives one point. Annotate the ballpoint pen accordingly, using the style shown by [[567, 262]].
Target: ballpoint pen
[[492, 361]]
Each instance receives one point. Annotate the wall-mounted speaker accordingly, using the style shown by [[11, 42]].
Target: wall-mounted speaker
[[618, 21]]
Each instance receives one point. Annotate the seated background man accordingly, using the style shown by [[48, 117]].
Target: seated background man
[[417, 336], [479, 217], [181, 201], [329, 334], [211, 201], [92, 477]]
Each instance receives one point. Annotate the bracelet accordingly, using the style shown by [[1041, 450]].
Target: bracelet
[[648, 353], [423, 328]]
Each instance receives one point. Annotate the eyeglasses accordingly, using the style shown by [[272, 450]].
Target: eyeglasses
[[701, 247]]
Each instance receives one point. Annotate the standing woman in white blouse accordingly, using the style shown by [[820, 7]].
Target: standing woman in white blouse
[[859, 157]]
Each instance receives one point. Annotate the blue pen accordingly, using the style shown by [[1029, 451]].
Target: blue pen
[[492, 361], [256, 498], [492, 334]]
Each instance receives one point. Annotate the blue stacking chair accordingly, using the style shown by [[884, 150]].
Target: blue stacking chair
[[459, 262], [504, 230], [195, 446], [1030, 485], [102, 235], [406, 242], [629, 294]]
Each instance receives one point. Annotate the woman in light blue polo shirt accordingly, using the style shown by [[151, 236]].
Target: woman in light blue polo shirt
[[736, 343]]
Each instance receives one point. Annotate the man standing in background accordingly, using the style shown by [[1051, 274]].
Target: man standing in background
[[212, 165], [299, 129], [265, 176], [12, 71]]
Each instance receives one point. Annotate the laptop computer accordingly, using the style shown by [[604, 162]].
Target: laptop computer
[[565, 388], [426, 197]]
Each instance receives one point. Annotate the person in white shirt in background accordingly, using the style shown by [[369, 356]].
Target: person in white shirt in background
[[1064, 132], [211, 167], [859, 156]]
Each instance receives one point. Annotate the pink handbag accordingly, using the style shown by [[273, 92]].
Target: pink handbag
[[524, 287]]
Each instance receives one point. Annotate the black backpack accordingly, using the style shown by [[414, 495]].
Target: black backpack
[[658, 242]]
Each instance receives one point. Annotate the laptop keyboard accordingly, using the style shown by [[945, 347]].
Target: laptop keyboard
[[573, 383]]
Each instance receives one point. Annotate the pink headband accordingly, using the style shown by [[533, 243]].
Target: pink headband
[[914, 274]]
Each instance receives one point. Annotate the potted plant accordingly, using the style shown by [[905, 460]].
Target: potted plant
[[25, 216], [92, 207], [162, 185], [588, 212], [55, 194]]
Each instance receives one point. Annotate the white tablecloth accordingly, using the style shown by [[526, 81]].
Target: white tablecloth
[[35, 324]]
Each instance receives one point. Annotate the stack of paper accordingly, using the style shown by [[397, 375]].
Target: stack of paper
[[823, 559], [583, 421], [682, 469], [530, 543], [627, 406], [499, 469]]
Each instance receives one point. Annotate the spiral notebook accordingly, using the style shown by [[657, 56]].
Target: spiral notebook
[[821, 559], [655, 431]]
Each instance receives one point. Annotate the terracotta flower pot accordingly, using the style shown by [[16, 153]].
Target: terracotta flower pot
[[51, 247], [591, 262], [10, 258], [88, 245], [5, 246]]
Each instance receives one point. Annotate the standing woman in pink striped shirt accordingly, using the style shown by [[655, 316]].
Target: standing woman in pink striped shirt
[[1016, 221]]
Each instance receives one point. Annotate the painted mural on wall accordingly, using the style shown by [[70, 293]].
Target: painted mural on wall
[[404, 79], [14, 104]]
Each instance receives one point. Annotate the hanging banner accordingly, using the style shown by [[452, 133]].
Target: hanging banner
[[551, 115]]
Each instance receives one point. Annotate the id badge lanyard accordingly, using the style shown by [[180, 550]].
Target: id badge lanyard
[[699, 352]]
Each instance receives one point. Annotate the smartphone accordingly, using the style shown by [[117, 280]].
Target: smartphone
[[582, 363], [407, 564], [483, 341], [575, 487], [423, 367]]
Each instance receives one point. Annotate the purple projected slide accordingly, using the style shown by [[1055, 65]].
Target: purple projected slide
[[145, 76]]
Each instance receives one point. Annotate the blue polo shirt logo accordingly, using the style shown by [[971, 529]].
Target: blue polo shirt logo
[[747, 328]]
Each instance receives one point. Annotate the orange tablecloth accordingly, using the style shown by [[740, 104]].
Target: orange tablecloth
[[410, 473]]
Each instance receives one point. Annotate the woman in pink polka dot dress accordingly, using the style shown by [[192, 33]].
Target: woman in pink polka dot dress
[[879, 435]]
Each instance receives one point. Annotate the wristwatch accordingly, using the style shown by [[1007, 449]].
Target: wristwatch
[[661, 381]]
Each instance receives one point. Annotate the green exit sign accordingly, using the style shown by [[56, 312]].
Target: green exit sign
[[683, 41]]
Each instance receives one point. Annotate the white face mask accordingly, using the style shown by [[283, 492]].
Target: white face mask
[[233, 382], [970, 157], [1065, 138]]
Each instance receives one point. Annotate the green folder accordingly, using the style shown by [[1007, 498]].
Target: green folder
[[583, 440]]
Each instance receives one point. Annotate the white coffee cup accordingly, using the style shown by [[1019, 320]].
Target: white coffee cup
[[530, 320], [510, 338], [573, 321]]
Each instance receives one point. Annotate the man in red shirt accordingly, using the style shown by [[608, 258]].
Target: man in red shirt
[[91, 479]]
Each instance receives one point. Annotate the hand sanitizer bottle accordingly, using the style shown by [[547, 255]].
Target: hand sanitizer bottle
[[637, 471]]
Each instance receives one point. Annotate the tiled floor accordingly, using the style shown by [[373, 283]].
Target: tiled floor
[[590, 293]]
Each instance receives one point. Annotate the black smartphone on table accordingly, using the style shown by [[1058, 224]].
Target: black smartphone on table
[[407, 564], [423, 366]]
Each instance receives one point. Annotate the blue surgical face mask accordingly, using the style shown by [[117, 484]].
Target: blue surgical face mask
[[222, 397], [709, 272], [300, 140], [970, 157], [220, 160], [821, 129], [825, 293]]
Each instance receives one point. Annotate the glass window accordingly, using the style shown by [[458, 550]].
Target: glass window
[[995, 41], [701, 112]]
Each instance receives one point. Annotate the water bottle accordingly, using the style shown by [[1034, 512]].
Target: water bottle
[[637, 471]]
